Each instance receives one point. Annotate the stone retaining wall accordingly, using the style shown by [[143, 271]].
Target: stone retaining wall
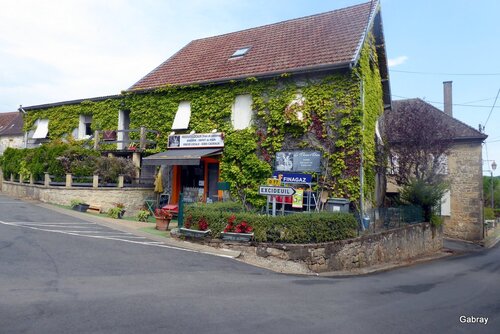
[[389, 246], [133, 198]]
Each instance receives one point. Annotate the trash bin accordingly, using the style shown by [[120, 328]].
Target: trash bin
[[366, 222], [337, 205]]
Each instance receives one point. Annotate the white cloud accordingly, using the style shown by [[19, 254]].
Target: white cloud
[[397, 61]]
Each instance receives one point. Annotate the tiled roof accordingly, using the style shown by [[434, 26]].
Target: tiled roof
[[11, 124], [322, 41], [460, 130]]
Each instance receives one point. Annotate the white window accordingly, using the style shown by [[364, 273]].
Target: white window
[[446, 204], [241, 115], [84, 127], [183, 116], [240, 52], [42, 129]]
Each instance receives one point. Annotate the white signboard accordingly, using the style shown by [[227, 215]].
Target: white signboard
[[196, 140], [276, 191]]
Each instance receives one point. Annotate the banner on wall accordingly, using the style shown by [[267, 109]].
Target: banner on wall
[[196, 140]]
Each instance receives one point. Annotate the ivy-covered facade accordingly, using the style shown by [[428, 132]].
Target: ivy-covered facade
[[333, 111]]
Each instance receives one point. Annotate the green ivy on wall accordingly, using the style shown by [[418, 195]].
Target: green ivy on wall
[[330, 118]]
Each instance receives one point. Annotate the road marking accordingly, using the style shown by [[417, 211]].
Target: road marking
[[146, 243]]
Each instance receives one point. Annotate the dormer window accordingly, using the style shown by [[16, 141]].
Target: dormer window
[[240, 52]]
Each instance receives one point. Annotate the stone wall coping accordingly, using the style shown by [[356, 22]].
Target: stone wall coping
[[41, 186]]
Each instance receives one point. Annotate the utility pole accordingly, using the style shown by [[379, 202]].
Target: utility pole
[[493, 167]]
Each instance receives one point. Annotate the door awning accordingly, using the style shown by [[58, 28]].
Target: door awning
[[180, 156]]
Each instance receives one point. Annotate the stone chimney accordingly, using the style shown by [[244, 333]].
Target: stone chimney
[[447, 89]]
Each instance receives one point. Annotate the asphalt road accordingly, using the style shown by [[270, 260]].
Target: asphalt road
[[59, 274]]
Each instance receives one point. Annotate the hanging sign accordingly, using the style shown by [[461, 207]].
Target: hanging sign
[[196, 140], [298, 161], [276, 191]]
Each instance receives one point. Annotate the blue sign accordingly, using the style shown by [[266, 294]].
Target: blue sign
[[293, 177]]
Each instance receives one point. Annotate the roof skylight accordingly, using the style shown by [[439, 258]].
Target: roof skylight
[[240, 52]]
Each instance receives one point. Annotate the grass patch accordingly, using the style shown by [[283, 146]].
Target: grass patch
[[154, 231]]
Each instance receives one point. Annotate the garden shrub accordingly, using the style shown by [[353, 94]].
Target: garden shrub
[[58, 158], [295, 228]]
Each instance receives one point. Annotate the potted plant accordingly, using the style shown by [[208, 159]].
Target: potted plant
[[238, 232], [143, 215], [200, 230], [117, 212], [163, 218], [79, 205]]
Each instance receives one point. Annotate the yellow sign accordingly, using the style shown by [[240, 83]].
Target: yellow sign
[[274, 182], [298, 198]]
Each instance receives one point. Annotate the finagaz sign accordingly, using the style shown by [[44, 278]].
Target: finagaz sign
[[298, 161], [196, 140], [293, 177], [276, 191]]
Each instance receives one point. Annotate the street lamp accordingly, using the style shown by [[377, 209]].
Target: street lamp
[[493, 167]]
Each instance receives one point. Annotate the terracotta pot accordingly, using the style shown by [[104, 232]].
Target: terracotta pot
[[162, 223]]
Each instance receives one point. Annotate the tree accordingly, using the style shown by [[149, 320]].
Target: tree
[[418, 140]]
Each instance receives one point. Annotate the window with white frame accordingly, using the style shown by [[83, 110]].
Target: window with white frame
[[241, 115], [85, 127], [183, 116]]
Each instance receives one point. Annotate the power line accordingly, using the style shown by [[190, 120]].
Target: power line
[[491, 109], [442, 73], [454, 104]]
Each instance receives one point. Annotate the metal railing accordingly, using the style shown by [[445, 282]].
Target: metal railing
[[122, 140]]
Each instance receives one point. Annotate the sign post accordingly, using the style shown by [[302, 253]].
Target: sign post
[[274, 191]]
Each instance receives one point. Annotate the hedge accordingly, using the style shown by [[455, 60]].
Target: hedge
[[295, 228]]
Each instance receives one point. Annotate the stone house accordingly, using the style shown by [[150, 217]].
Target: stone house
[[462, 205], [237, 106], [11, 130]]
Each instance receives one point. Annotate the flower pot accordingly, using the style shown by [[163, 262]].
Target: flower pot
[[120, 214], [240, 237], [162, 223], [81, 207], [194, 233]]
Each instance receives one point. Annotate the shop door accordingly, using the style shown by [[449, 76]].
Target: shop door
[[212, 179]]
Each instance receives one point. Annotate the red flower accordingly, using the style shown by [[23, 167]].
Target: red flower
[[202, 224]]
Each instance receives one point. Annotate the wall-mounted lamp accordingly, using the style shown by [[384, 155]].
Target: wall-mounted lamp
[[172, 133], [214, 130], [192, 132]]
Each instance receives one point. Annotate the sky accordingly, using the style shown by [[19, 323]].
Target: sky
[[53, 51]]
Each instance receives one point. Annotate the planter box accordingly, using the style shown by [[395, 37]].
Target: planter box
[[240, 237], [81, 207], [194, 233]]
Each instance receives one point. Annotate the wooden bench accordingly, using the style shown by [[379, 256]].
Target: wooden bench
[[94, 209]]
